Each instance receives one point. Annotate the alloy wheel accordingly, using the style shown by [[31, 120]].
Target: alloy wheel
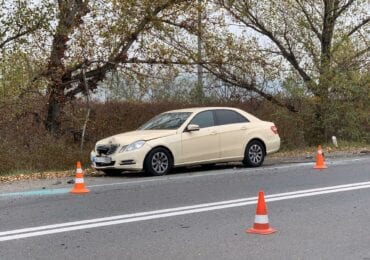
[[160, 162], [255, 154]]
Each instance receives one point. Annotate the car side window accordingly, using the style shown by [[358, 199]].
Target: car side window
[[204, 119], [226, 117]]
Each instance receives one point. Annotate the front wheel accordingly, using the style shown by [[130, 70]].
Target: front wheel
[[254, 154], [158, 162]]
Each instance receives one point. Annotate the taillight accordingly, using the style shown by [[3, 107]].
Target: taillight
[[274, 129]]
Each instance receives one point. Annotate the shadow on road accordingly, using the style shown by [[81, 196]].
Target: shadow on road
[[180, 170], [210, 167]]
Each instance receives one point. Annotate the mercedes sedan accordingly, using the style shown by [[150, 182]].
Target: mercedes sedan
[[191, 136]]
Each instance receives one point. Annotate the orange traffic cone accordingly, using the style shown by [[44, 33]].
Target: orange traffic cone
[[261, 221], [320, 164], [79, 187]]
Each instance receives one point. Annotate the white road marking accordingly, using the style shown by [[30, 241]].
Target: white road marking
[[141, 216]]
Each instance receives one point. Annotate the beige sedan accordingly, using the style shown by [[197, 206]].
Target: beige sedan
[[192, 136]]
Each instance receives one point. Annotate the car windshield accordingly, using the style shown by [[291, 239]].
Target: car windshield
[[166, 121]]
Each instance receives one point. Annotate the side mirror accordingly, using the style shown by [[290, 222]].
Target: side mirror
[[192, 128]]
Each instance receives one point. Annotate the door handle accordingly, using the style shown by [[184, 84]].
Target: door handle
[[244, 128], [213, 132]]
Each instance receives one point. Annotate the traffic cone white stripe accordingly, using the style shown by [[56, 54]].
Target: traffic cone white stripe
[[79, 180], [261, 219], [79, 171]]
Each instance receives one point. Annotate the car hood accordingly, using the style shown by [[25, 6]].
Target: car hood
[[130, 137]]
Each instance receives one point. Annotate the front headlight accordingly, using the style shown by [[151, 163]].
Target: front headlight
[[134, 146]]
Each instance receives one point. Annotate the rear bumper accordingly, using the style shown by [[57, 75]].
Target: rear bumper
[[273, 145]]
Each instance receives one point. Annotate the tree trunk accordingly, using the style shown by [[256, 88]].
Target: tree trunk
[[319, 126], [69, 18], [318, 123], [55, 106]]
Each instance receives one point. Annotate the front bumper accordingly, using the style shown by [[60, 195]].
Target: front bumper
[[130, 161]]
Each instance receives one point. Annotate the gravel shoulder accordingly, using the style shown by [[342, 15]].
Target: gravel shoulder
[[309, 155]]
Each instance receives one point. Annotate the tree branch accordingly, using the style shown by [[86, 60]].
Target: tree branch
[[310, 22], [183, 25], [343, 8], [357, 27], [119, 55], [16, 36], [289, 55], [232, 80], [164, 62]]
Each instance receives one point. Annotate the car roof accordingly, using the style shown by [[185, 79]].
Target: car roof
[[199, 109]]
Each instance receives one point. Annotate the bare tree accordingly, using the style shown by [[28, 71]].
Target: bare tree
[[308, 36], [130, 20]]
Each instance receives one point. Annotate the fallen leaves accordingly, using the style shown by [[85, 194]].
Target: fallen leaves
[[46, 175]]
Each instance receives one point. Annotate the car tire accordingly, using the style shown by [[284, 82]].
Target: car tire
[[254, 154], [158, 162]]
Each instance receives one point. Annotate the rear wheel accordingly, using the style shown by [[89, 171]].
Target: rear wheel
[[158, 162], [254, 154]]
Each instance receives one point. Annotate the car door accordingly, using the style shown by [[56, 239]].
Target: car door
[[201, 145], [233, 130]]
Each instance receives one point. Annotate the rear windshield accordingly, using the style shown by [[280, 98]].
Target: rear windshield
[[166, 121]]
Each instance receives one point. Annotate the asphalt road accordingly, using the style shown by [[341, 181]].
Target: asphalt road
[[194, 215]]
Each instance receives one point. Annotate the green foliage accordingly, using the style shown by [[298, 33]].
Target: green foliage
[[21, 23], [156, 86], [17, 70], [20, 18], [349, 105], [346, 111]]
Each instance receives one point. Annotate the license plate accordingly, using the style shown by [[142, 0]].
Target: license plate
[[103, 160]]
